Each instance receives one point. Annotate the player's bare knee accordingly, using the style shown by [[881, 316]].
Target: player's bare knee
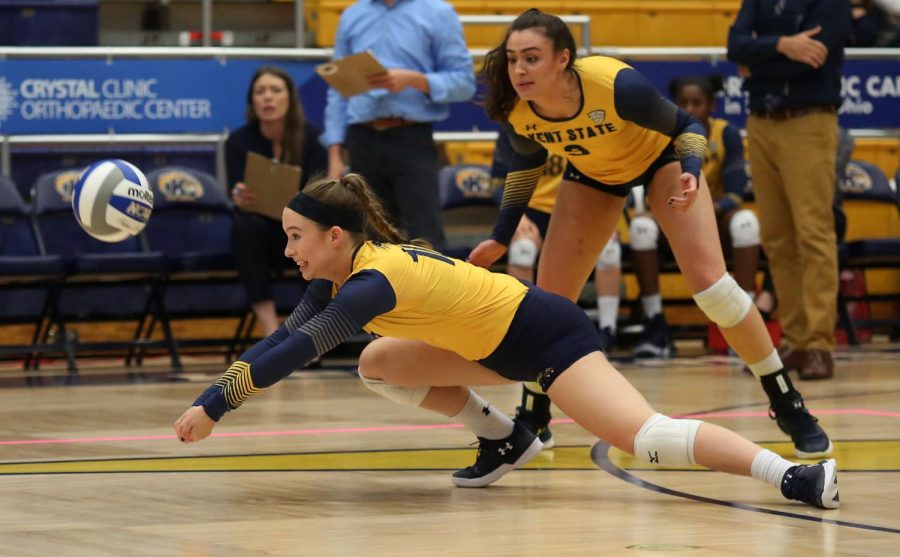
[[666, 441], [373, 362]]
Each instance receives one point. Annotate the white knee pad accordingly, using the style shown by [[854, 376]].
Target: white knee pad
[[644, 233], [744, 229], [666, 441], [611, 256], [522, 253], [409, 396], [725, 303]]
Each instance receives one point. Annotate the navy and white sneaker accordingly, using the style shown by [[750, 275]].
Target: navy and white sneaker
[[793, 418], [815, 484], [496, 457], [654, 341]]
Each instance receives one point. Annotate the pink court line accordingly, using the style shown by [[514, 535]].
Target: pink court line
[[382, 429]]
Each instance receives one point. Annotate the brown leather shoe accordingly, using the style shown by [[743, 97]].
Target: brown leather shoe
[[818, 365], [791, 358]]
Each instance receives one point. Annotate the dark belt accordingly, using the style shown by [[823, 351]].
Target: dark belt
[[388, 123], [786, 113]]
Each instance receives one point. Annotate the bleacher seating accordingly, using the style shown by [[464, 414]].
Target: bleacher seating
[[872, 242], [48, 22], [191, 225], [613, 22], [469, 202], [104, 281], [29, 280]]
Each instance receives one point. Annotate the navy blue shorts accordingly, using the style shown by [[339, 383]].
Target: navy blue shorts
[[540, 219], [621, 190], [547, 335]]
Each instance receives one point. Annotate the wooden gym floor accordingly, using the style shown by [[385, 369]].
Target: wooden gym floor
[[318, 465]]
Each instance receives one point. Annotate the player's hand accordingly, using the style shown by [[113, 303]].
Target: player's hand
[[194, 425], [802, 47], [336, 166], [486, 253], [398, 79], [688, 193], [241, 195]]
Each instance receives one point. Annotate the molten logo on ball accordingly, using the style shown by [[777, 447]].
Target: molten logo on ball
[[112, 200]]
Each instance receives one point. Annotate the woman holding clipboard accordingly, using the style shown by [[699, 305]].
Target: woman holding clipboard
[[277, 130]]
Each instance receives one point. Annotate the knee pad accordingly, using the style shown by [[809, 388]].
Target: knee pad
[[522, 253], [725, 303], [644, 233], [409, 396], [666, 441], [611, 256], [744, 229]]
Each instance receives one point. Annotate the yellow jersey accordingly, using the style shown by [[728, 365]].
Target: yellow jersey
[[544, 196], [442, 301], [597, 140]]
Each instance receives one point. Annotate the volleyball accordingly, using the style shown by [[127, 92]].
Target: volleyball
[[112, 200]]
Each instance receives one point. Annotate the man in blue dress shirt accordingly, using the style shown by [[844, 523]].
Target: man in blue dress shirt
[[387, 131]]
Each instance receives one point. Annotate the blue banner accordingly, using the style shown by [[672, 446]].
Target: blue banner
[[180, 96]]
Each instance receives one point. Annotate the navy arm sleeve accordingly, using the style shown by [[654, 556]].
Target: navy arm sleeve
[[363, 297], [638, 101], [526, 166], [734, 173]]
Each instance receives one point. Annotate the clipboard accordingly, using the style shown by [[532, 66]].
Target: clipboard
[[272, 184], [349, 75]]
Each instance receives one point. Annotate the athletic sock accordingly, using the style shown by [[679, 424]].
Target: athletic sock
[[652, 305], [482, 420], [769, 467], [608, 308]]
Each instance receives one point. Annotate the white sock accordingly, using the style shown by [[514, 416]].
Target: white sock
[[482, 420], [608, 308], [767, 366], [652, 305], [769, 467], [752, 294]]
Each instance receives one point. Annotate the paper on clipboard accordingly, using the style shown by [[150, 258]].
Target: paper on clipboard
[[272, 185], [349, 75]]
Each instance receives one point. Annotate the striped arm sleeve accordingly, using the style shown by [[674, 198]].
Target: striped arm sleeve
[[316, 297], [363, 297], [526, 167], [638, 101]]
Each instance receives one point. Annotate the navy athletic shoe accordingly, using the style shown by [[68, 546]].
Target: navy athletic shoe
[[654, 341], [793, 418], [496, 457], [815, 484]]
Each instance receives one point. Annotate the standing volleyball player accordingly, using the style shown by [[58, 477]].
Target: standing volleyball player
[[617, 131], [478, 328], [524, 249]]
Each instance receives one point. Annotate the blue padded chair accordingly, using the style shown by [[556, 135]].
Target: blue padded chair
[[191, 225], [104, 281], [29, 280], [873, 231], [470, 200]]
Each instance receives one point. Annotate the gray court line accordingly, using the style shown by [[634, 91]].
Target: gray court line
[[599, 455]]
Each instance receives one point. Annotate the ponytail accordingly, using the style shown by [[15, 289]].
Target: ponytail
[[376, 219]]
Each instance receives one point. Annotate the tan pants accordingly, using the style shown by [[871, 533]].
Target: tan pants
[[792, 164]]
